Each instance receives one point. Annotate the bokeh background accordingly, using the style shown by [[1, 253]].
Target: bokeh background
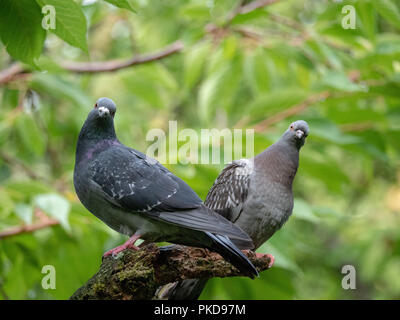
[[259, 64]]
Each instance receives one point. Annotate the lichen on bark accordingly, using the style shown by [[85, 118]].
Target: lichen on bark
[[136, 275]]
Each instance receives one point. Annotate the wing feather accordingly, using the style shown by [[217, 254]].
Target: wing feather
[[140, 184], [230, 189]]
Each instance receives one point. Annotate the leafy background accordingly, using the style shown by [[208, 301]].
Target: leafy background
[[285, 61]]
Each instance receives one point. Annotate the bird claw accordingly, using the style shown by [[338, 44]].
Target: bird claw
[[130, 244], [270, 256]]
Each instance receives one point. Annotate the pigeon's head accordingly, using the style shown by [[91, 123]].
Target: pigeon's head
[[100, 121], [105, 107], [297, 133]]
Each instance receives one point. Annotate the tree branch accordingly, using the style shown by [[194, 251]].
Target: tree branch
[[18, 69], [136, 275], [114, 65], [296, 109], [44, 222], [254, 5]]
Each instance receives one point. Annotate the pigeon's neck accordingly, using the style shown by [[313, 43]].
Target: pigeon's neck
[[279, 163], [93, 140]]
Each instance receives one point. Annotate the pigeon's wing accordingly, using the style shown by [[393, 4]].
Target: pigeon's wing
[[230, 189], [136, 183]]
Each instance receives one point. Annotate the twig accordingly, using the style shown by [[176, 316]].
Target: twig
[[137, 274], [114, 65], [254, 5], [28, 228], [354, 127], [296, 109], [17, 69], [9, 74], [18, 163]]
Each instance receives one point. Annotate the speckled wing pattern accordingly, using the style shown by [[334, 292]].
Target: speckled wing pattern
[[137, 183], [230, 189]]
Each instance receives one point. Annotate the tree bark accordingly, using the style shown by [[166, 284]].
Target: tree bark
[[136, 275]]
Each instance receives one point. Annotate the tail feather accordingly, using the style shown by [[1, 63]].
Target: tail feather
[[224, 246], [188, 289]]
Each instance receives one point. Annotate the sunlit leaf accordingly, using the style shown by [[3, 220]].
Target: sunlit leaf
[[70, 22], [56, 206]]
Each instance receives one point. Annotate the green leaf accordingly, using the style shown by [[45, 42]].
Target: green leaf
[[21, 29], [327, 171], [30, 134], [123, 4], [250, 16], [328, 131], [388, 10], [70, 22], [59, 87], [25, 212], [56, 206], [302, 210], [275, 101], [281, 259], [195, 11], [194, 62], [340, 81], [368, 18]]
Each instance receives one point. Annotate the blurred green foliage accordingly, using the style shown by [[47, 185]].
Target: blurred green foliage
[[270, 63]]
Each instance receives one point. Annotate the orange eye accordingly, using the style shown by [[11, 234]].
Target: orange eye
[[291, 127], [95, 106]]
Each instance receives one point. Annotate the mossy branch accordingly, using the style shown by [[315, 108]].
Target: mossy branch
[[135, 275]]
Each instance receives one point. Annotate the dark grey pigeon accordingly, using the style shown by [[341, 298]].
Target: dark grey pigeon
[[255, 194], [135, 195]]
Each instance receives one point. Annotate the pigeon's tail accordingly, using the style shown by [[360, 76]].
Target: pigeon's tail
[[224, 246], [188, 289]]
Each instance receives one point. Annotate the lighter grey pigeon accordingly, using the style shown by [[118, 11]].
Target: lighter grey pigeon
[[255, 194]]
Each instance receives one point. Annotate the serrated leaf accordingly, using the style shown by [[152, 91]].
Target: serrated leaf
[[123, 4], [70, 22], [56, 206], [21, 29]]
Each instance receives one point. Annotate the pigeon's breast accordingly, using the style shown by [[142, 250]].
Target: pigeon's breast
[[266, 209], [102, 206]]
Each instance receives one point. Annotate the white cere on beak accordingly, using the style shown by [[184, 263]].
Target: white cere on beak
[[299, 134], [103, 111]]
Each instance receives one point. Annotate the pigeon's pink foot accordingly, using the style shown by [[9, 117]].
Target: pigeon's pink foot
[[130, 244], [270, 256]]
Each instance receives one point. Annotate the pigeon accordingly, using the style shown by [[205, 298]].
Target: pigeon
[[255, 194], [137, 196]]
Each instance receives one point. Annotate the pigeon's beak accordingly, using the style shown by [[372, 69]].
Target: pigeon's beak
[[103, 112], [299, 134]]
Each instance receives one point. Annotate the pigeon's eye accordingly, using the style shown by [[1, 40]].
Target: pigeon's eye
[[112, 113], [291, 127], [95, 106]]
